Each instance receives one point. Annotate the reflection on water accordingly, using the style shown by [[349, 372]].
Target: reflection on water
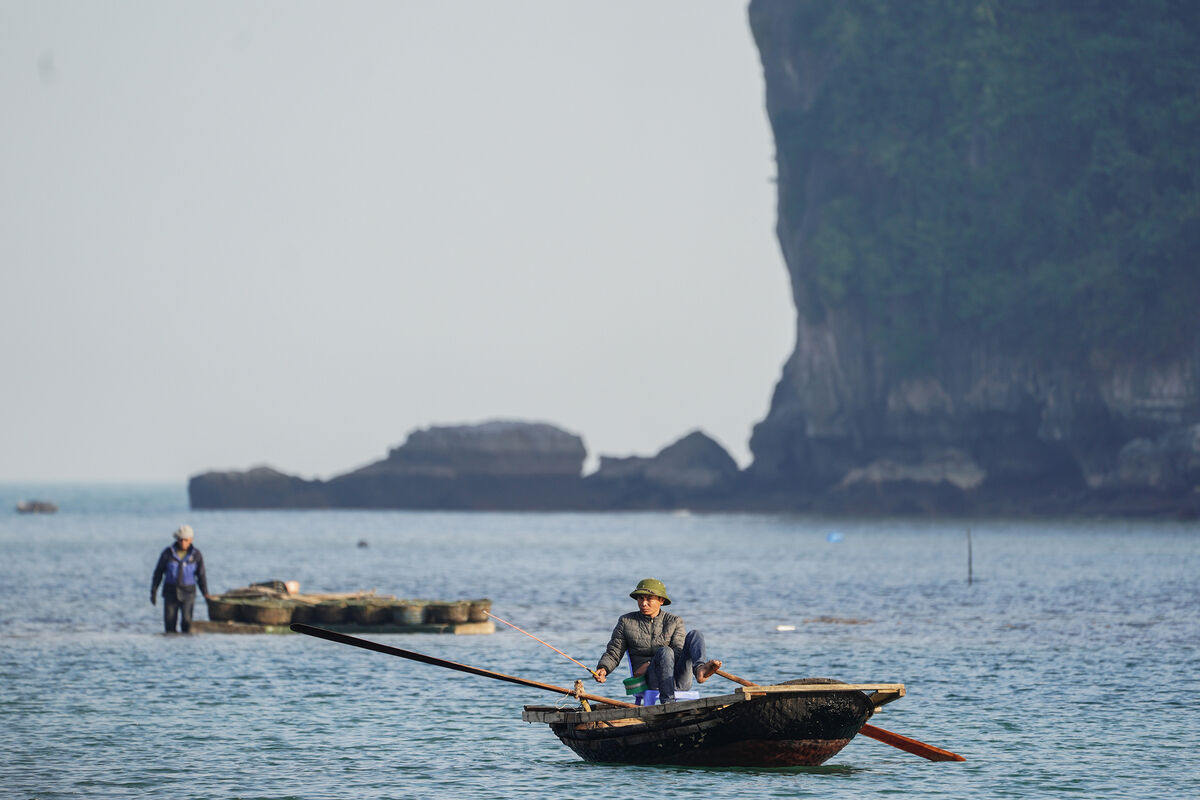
[[823, 769]]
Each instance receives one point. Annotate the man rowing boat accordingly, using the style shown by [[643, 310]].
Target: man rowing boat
[[657, 645]]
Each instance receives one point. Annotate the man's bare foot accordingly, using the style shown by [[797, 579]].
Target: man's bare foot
[[707, 670]]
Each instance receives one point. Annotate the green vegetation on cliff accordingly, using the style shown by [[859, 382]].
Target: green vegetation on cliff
[[1017, 169]]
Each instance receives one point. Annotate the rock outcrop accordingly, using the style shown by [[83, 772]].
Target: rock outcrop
[[258, 487], [500, 465], [503, 465], [693, 472], [498, 448], [1167, 463]]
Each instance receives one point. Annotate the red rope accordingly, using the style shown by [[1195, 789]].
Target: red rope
[[536, 639]]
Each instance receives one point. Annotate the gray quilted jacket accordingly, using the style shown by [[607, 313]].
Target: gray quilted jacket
[[640, 636]]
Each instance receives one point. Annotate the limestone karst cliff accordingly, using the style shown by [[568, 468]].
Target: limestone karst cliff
[[988, 213]]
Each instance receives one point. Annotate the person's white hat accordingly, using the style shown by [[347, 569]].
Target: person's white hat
[[184, 532]]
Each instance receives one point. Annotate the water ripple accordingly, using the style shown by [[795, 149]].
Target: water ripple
[[1061, 671]]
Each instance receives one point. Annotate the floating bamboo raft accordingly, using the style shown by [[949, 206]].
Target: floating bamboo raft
[[270, 608]]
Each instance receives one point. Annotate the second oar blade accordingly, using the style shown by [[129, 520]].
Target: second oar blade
[[909, 745]]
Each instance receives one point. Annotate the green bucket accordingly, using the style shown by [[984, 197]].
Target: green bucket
[[636, 685]]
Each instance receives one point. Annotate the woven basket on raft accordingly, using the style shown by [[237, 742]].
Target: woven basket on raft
[[266, 612], [220, 610], [332, 612], [371, 611], [478, 610], [304, 612], [448, 613], [409, 612]]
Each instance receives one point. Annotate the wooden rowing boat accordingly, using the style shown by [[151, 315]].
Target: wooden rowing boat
[[795, 724]]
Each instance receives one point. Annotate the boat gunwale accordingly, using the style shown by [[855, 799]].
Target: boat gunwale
[[555, 715]]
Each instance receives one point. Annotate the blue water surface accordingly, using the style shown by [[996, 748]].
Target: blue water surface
[[1063, 670]]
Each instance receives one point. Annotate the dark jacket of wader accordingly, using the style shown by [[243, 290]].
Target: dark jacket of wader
[[182, 574]]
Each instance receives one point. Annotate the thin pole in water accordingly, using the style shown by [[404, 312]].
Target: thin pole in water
[[969, 575]]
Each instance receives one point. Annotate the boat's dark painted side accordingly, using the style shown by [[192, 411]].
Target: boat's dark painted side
[[772, 730]]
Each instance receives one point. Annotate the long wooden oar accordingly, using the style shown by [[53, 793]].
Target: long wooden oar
[[366, 644], [879, 734], [735, 678]]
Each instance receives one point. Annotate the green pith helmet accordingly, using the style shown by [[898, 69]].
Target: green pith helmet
[[651, 586]]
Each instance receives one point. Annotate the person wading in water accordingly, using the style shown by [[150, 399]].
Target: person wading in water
[[183, 568], [657, 645]]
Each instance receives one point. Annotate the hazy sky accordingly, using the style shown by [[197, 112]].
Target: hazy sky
[[289, 233]]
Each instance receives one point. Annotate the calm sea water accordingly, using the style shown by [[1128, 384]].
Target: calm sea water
[[1065, 669]]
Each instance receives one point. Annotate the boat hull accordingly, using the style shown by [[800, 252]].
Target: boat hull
[[773, 730]]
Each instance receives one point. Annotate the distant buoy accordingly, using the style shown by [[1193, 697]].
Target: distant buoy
[[833, 537], [363, 543], [785, 627]]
